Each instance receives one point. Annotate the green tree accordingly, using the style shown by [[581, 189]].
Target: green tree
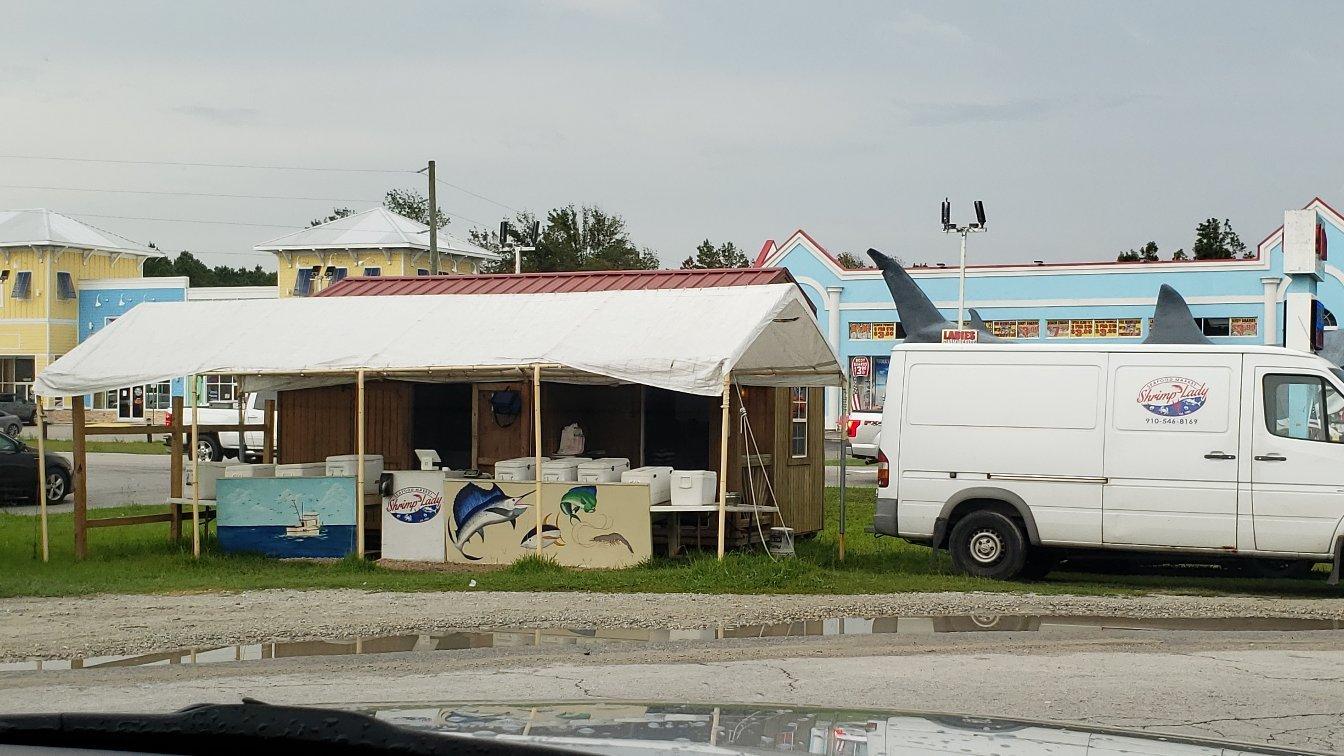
[[1146, 253], [572, 238], [1127, 256], [848, 261], [726, 255], [200, 274], [1215, 240], [404, 202], [336, 214], [1180, 255]]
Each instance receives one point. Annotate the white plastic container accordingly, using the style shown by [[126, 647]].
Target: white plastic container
[[347, 465], [210, 472], [518, 468], [694, 488], [563, 469], [658, 479], [603, 470], [301, 470], [250, 471]]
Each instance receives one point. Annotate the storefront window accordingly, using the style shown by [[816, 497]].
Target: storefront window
[[798, 422], [219, 388], [159, 396], [867, 382], [1094, 328], [865, 331]]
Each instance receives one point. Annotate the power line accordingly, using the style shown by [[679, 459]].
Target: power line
[[206, 165], [187, 194], [477, 196], [187, 220]]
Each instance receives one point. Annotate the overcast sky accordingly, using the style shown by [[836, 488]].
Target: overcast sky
[[1085, 129]]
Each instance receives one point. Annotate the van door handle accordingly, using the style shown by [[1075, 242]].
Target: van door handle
[[1219, 455], [1270, 458]]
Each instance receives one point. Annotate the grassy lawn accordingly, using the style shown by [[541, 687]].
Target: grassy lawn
[[117, 447], [139, 559], [851, 462]]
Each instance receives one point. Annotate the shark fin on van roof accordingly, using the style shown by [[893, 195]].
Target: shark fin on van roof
[[1172, 321], [922, 322]]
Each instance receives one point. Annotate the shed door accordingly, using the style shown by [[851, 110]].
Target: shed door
[[501, 435]]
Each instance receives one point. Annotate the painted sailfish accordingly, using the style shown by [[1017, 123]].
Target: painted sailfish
[[550, 535], [476, 508]]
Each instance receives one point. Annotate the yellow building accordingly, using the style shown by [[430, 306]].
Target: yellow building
[[376, 242], [44, 257]]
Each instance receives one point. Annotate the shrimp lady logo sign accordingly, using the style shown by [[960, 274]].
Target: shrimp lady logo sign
[[414, 504], [1173, 399]]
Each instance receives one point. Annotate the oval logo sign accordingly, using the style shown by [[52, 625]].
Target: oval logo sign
[[414, 504], [1173, 396]]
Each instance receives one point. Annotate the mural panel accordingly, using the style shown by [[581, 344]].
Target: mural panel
[[287, 517]]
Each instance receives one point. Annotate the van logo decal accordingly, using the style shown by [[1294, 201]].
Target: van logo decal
[[1173, 396]]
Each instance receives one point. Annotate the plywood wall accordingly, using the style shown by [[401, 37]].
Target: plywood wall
[[318, 423]]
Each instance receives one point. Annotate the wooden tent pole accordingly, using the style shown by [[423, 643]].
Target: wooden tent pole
[[175, 464], [242, 418], [268, 435], [359, 464], [723, 462], [844, 453], [195, 469], [536, 441], [42, 478], [81, 478]]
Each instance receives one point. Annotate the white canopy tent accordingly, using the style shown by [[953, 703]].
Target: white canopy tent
[[695, 341], [685, 340]]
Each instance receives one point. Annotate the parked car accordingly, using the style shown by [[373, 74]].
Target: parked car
[[212, 447], [1011, 456], [13, 404], [11, 424], [864, 430], [18, 473]]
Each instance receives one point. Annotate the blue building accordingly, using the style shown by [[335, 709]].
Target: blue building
[[1234, 301]]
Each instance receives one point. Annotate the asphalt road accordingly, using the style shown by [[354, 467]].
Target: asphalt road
[[118, 479]]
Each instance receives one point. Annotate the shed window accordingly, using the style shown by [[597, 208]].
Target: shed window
[[373, 271], [797, 422], [23, 283], [303, 284], [65, 285]]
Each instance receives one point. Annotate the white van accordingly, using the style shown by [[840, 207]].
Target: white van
[[1011, 455]]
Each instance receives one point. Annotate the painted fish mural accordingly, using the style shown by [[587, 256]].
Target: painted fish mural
[[476, 508], [578, 499], [550, 535], [615, 539]]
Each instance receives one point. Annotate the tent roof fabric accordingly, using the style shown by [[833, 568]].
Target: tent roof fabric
[[44, 228], [378, 228], [536, 283], [679, 339]]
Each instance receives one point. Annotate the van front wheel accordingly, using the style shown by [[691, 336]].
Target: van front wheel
[[988, 544]]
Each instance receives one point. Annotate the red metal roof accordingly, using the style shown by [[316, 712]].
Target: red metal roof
[[539, 283]]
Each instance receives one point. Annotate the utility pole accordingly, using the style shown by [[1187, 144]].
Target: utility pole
[[951, 228], [433, 225]]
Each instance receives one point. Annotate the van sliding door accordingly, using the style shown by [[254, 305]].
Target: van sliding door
[[1171, 450]]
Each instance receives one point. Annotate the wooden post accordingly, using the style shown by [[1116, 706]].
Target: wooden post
[[359, 464], [242, 418], [844, 453], [81, 479], [268, 435], [195, 471], [175, 471], [42, 478], [536, 440], [723, 462]]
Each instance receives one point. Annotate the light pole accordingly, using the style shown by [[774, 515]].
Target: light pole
[[951, 228], [519, 248]]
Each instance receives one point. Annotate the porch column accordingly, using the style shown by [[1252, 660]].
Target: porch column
[[1269, 322], [833, 393]]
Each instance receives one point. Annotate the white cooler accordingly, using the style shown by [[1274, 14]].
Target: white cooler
[[603, 470], [301, 470], [347, 465], [694, 488], [249, 471], [210, 472], [518, 468], [563, 469], [658, 479]]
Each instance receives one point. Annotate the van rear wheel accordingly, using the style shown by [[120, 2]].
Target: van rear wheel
[[988, 544]]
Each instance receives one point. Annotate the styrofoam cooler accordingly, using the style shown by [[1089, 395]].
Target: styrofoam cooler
[[563, 469], [209, 472], [413, 517], [518, 468], [347, 465], [301, 470], [658, 479], [603, 470], [694, 488], [250, 471]]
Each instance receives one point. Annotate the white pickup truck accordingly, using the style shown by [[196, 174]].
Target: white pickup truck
[[212, 447]]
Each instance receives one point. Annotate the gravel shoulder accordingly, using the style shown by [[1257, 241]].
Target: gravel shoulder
[[131, 624]]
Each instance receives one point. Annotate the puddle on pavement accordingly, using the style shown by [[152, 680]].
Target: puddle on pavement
[[509, 638]]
